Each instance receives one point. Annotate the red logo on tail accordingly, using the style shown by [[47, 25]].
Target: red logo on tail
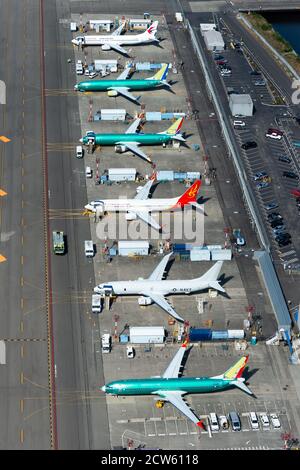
[[190, 194]]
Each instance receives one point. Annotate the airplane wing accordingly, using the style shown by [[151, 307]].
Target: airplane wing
[[175, 397], [159, 271], [118, 31], [163, 303], [133, 147], [144, 192], [146, 217], [126, 93], [133, 127], [172, 371], [124, 74], [117, 47]]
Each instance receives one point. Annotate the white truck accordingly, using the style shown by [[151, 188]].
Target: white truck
[[106, 343], [96, 303], [79, 67], [89, 248]]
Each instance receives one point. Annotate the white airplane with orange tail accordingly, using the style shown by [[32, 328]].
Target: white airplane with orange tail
[[141, 206], [155, 288]]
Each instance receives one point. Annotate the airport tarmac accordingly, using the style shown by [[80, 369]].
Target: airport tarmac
[[136, 419]]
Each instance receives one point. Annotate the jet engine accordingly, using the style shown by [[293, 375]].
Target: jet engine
[[130, 216], [144, 300], [120, 148], [159, 403], [105, 47], [112, 93]]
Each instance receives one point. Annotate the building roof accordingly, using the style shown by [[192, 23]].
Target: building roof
[[240, 99], [213, 37], [274, 290]]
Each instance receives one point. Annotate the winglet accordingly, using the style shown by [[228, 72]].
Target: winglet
[[185, 344], [201, 425], [153, 176]]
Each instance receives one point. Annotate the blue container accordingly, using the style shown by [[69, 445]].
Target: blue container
[[179, 247], [179, 175], [200, 334], [155, 66], [219, 334], [124, 338], [167, 115], [112, 251], [253, 340]]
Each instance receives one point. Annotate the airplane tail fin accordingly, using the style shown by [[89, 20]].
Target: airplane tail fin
[[152, 30], [161, 74], [190, 194], [236, 371], [174, 129], [211, 277]]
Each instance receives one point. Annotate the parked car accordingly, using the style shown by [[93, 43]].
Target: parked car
[[240, 240], [260, 175], [275, 421], [262, 185], [290, 174], [276, 223], [218, 57], [253, 420], [237, 124], [283, 158], [221, 62], [213, 420], [271, 205], [235, 421], [264, 420], [274, 133], [283, 242], [274, 216], [259, 83], [249, 145], [255, 72], [93, 74], [223, 422], [130, 352], [278, 230]]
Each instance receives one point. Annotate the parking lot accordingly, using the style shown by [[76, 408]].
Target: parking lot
[[265, 157]]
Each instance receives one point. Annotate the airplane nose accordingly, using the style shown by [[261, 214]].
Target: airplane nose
[[103, 388]]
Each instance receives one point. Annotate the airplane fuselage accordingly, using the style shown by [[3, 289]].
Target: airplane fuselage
[[143, 139], [152, 385], [166, 287], [128, 205], [105, 85], [99, 40]]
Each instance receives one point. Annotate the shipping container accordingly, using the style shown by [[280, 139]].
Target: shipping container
[[193, 175], [105, 64], [179, 247], [165, 175], [200, 255], [220, 255], [124, 338], [113, 114], [214, 247], [147, 334], [153, 116], [236, 334], [140, 66], [179, 175], [219, 334], [133, 248], [121, 174], [200, 334]]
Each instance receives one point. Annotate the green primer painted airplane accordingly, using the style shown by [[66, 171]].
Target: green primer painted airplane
[[132, 139], [170, 387], [122, 86]]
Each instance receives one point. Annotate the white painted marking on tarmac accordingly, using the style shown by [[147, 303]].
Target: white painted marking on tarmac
[[49, 193], [55, 370], [151, 435]]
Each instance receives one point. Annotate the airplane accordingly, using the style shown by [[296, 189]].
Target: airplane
[[115, 40], [141, 206], [171, 387], [132, 139], [122, 86], [155, 288]]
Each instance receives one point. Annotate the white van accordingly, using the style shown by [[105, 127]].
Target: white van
[[237, 124], [96, 303], [214, 424], [89, 248], [253, 420], [88, 172], [79, 151]]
